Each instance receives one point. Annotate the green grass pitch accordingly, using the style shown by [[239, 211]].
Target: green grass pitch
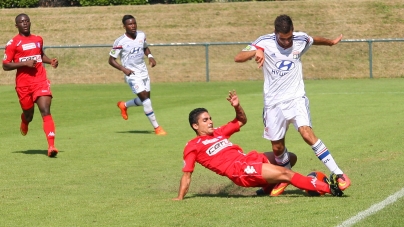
[[112, 172]]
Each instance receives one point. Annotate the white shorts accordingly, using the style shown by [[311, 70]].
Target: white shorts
[[278, 117], [138, 84]]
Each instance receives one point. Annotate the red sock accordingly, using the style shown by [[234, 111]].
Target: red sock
[[23, 119], [49, 129], [307, 183]]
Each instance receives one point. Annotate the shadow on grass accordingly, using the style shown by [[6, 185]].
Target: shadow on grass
[[137, 132], [32, 152], [286, 193]]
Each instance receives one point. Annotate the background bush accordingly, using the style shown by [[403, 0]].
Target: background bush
[[19, 3]]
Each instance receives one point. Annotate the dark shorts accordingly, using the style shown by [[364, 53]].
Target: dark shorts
[[246, 172], [28, 95]]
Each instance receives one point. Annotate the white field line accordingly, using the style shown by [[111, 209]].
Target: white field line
[[373, 209]]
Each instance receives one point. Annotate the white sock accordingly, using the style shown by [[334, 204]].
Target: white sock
[[322, 153], [148, 110], [133, 102], [283, 159]]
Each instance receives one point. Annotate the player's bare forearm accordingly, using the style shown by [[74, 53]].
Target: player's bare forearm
[[244, 56], [184, 185], [53, 62], [235, 102], [15, 65], [317, 40], [113, 63]]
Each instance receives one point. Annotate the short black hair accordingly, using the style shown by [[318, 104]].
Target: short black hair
[[194, 115], [127, 17], [19, 15], [283, 24]]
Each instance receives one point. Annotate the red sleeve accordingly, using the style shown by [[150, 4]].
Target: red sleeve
[[258, 47], [189, 158], [230, 128], [9, 52]]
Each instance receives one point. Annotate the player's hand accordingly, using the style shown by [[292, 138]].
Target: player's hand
[[54, 63], [233, 98], [127, 72], [152, 62], [335, 41], [30, 63], [259, 57]]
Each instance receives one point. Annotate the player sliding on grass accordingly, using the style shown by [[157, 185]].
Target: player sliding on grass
[[131, 47], [285, 100], [24, 52], [212, 149]]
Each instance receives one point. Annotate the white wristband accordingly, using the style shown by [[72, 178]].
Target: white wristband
[[149, 55]]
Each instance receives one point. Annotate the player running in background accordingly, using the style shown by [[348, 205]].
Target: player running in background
[[24, 52], [212, 149], [285, 100], [131, 47]]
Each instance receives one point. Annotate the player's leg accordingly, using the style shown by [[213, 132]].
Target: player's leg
[[27, 105], [44, 103], [275, 174], [273, 189], [142, 90], [303, 123], [276, 126]]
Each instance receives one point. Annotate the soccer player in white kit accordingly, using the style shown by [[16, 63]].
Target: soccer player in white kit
[[131, 47], [285, 100]]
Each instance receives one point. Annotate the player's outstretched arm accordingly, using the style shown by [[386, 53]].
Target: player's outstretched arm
[[240, 114], [317, 40], [184, 185], [244, 56]]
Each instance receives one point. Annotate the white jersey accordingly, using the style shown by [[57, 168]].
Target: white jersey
[[283, 75], [131, 53]]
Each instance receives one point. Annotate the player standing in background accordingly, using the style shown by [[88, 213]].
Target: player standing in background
[[285, 100], [24, 52], [212, 149], [131, 47]]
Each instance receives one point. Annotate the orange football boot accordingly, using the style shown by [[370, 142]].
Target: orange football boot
[[123, 108]]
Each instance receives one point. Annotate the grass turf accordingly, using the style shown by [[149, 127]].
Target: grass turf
[[112, 172]]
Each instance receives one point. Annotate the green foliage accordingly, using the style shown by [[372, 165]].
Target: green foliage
[[19, 3], [187, 1], [112, 2]]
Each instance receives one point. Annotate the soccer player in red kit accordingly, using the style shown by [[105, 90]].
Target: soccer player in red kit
[[213, 150], [25, 54]]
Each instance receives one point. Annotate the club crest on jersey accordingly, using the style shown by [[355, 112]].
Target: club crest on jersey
[[296, 54]]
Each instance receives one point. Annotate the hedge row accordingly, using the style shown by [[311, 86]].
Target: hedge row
[[64, 3]]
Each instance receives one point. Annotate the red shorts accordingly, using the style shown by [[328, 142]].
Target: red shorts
[[29, 94], [246, 172]]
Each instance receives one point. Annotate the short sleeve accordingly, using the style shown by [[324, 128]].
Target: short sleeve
[[9, 52], [189, 158]]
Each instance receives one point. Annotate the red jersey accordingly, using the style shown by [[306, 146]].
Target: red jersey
[[22, 48], [214, 152]]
